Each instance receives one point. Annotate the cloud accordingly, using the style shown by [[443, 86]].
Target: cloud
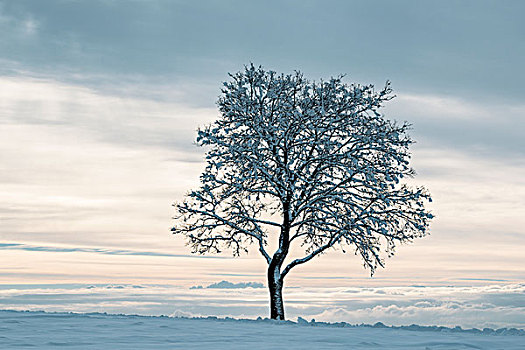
[[33, 248], [485, 129], [20, 26], [477, 52], [75, 164], [84, 169], [430, 312], [124, 117], [493, 306], [468, 306], [30, 26], [230, 285], [127, 121]]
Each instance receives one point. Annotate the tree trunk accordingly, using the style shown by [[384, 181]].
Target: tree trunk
[[275, 280], [275, 286]]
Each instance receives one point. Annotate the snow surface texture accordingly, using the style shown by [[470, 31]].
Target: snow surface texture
[[41, 330]]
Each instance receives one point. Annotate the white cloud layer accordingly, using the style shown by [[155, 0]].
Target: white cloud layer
[[82, 169], [491, 306]]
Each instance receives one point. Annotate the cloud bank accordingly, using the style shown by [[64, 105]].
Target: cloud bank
[[492, 306], [230, 285], [33, 248], [86, 169]]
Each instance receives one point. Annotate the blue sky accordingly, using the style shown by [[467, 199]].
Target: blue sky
[[100, 101]]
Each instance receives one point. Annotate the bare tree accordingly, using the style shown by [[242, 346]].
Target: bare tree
[[312, 164]]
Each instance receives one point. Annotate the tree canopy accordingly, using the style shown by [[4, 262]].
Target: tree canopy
[[308, 163]]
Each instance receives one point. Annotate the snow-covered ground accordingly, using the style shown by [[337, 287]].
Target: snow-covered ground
[[39, 330]]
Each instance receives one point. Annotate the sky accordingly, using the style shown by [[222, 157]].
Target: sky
[[100, 100]]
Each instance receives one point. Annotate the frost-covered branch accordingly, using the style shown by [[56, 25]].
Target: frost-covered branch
[[312, 163]]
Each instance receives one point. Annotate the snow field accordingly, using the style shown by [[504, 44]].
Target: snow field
[[40, 330]]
